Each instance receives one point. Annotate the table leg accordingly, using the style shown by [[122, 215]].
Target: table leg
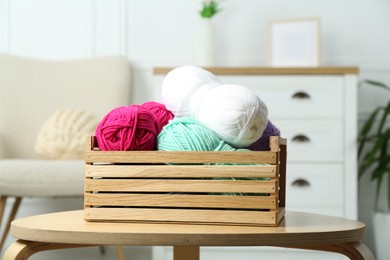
[[354, 251], [120, 253], [186, 253], [22, 249]]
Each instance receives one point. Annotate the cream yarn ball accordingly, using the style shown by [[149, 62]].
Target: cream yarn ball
[[235, 113], [64, 134]]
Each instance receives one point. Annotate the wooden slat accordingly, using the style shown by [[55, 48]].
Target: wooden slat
[[180, 171], [270, 70], [180, 200], [241, 157], [236, 186], [182, 215], [141, 185], [282, 176]]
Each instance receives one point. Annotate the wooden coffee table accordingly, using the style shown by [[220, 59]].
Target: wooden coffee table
[[297, 230]]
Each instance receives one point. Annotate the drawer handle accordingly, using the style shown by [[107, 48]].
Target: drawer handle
[[301, 139], [301, 183], [301, 95]]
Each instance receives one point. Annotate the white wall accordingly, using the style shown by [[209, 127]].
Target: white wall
[[161, 33]]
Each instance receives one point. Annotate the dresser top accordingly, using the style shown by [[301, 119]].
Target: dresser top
[[271, 70]]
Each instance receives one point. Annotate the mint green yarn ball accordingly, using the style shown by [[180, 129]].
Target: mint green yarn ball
[[188, 134]]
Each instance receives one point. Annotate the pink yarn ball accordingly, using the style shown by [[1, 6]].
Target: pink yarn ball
[[127, 128], [163, 115]]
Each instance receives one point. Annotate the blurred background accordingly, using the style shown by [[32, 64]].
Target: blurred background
[[156, 33]]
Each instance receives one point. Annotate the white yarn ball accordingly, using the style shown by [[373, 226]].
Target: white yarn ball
[[64, 134], [180, 84], [235, 113]]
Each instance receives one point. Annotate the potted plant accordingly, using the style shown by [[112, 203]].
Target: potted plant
[[374, 159], [209, 8], [205, 45]]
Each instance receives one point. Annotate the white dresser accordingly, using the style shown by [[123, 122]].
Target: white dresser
[[316, 110]]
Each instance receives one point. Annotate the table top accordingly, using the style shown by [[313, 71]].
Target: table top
[[296, 228]]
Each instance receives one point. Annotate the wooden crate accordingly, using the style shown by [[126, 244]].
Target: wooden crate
[[186, 187]]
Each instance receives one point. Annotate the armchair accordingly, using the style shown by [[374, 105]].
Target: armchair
[[31, 90]]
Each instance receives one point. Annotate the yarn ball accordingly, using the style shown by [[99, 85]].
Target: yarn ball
[[180, 84], [128, 128], [263, 143], [188, 134], [159, 110], [63, 134], [234, 112]]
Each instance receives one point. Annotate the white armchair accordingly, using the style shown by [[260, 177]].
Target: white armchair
[[2, 148], [31, 90]]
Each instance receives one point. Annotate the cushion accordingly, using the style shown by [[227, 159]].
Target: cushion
[[32, 89], [41, 178], [64, 133]]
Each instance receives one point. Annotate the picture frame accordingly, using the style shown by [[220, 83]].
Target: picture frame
[[294, 43]]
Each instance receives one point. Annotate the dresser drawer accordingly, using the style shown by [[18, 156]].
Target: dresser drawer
[[296, 96], [315, 186], [313, 140]]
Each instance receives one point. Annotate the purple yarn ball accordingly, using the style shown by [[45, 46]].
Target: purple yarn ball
[[262, 144]]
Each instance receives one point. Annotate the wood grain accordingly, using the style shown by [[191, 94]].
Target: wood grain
[[296, 229], [141, 186]]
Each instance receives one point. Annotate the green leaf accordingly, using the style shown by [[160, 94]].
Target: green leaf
[[382, 168], [370, 158], [209, 9], [380, 139], [383, 159], [383, 119], [379, 181], [366, 130], [388, 189], [377, 191], [376, 132], [379, 170], [375, 84]]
